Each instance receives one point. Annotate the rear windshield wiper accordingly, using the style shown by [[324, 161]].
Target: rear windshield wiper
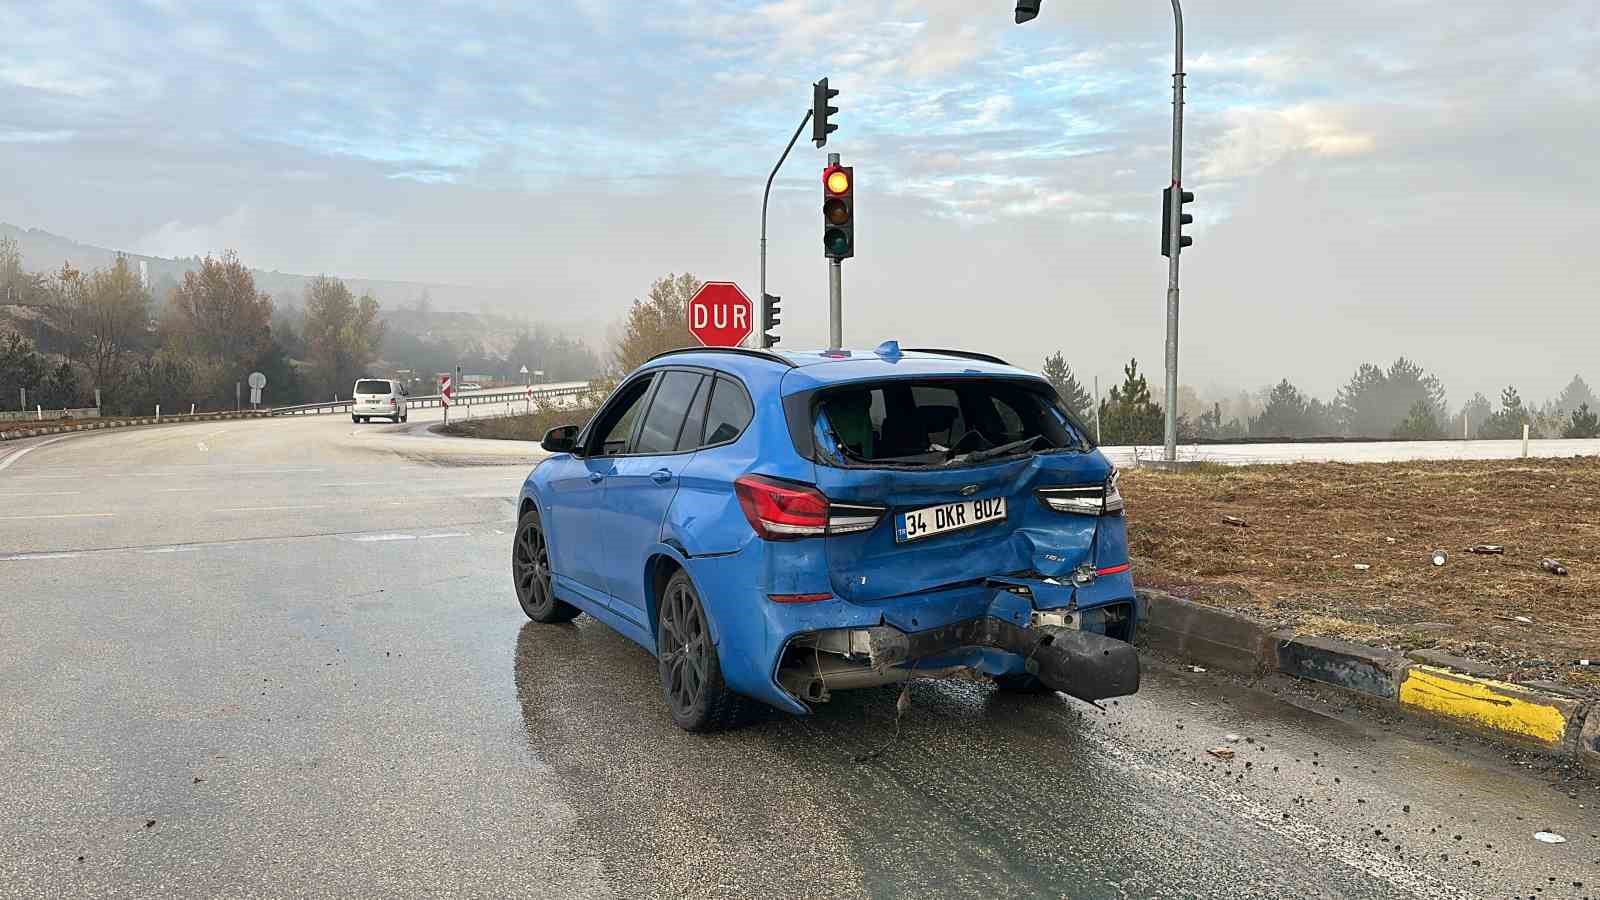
[[993, 452]]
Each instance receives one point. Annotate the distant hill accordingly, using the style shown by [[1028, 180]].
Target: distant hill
[[45, 252]]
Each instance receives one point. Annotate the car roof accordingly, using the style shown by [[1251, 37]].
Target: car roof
[[810, 369]]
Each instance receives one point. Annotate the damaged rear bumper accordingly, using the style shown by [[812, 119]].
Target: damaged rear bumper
[[1051, 646]]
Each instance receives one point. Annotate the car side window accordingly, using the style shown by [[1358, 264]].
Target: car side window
[[664, 421], [617, 426], [729, 413], [694, 424]]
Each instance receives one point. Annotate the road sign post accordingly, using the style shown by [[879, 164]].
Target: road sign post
[[720, 315], [257, 381], [447, 393]]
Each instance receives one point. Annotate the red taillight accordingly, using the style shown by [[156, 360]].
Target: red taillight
[[799, 598], [779, 511], [785, 511]]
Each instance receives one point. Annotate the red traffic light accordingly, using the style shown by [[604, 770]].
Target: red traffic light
[[836, 180]]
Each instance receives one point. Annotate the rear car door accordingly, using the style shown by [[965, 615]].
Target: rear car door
[[641, 487], [574, 505]]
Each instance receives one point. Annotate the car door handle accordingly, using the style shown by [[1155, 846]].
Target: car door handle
[[661, 476], [595, 477]]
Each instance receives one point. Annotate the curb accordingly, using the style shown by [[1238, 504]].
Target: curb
[[92, 424], [1435, 687]]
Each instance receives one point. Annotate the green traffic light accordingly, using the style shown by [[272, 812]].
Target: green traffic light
[[836, 240]]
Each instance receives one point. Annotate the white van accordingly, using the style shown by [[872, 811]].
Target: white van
[[378, 398]]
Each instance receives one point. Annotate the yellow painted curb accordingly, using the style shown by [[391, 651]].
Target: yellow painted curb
[[1495, 705]]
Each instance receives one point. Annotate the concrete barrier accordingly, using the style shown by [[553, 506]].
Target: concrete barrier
[[1436, 689]]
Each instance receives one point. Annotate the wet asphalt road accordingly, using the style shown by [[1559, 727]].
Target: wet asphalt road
[[283, 658]]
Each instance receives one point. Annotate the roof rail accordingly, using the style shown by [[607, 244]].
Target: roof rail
[[767, 355], [964, 354]]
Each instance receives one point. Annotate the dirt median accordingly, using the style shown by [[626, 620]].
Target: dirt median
[[1312, 526]]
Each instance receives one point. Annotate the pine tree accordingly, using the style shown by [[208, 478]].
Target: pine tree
[[1574, 395], [1073, 396], [1508, 421], [1584, 424], [1420, 424], [1128, 416]]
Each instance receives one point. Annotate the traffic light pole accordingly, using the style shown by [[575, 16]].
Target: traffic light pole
[[835, 291], [1174, 232], [764, 195]]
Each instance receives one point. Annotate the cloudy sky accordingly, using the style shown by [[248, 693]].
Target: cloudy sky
[[1374, 177]]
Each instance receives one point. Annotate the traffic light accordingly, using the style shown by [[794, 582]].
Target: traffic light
[[1166, 221], [1027, 10], [820, 111], [838, 212], [769, 319]]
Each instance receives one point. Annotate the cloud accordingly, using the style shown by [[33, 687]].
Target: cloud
[[553, 146], [1256, 139]]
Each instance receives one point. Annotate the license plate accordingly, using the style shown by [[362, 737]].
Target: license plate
[[917, 524]]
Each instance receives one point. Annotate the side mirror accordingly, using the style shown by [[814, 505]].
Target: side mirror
[[561, 440]]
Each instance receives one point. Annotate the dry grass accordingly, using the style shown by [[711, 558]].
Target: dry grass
[[531, 427], [1311, 524]]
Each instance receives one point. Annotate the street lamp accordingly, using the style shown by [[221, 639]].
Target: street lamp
[[1026, 11]]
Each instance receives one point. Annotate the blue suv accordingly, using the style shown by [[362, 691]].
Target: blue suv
[[779, 526]]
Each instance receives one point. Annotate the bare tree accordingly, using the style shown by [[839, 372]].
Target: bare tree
[[656, 324], [112, 319]]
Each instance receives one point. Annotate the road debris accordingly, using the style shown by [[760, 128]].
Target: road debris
[[1439, 557], [1235, 521], [1362, 567], [1388, 540], [1553, 567], [1232, 738], [1486, 549], [1549, 837], [1198, 669], [1223, 753]]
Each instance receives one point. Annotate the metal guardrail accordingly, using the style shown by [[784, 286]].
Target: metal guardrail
[[475, 399]]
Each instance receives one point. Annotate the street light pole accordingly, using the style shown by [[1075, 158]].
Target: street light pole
[[1174, 228], [764, 195], [1025, 12]]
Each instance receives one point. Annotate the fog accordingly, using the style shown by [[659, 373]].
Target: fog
[[1372, 181]]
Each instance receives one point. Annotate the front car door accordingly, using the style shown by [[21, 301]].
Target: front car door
[[574, 507], [642, 486]]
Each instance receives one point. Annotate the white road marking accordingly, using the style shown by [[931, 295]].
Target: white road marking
[[447, 534], [352, 483], [188, 549], [11, 459], [19, 557], [202, 447], [179, 490], [378, 538], [266, 508], [62, 516], [43, 494]]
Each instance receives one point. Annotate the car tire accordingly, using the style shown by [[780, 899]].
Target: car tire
[[691, 674], [1022, 684], [530, 573], [356, 419]]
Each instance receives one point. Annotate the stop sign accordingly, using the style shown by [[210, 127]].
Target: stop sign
[[720, 315]]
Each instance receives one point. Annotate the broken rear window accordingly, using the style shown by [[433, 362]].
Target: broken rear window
[[942, 422]]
